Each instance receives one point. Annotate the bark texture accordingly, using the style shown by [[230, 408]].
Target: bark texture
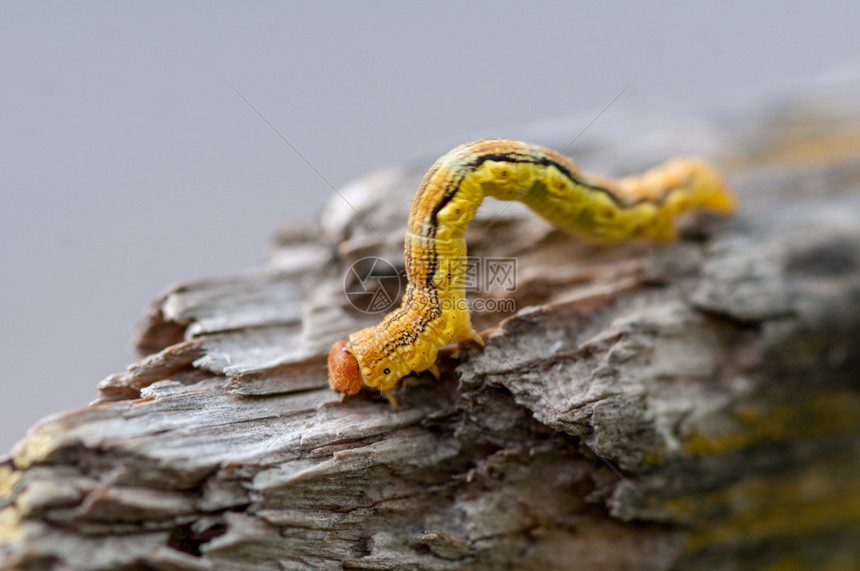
[[683, 406]]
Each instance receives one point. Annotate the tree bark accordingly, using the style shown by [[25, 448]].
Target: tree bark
[[674, 406]]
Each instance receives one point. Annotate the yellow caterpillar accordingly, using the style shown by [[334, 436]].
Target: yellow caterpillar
[[433, 312]]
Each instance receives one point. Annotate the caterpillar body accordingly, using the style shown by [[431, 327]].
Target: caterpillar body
[[591, 207]]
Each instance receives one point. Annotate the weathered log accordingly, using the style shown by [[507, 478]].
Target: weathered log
[[691, 405]]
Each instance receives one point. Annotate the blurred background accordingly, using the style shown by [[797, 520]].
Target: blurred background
[[127, 162]]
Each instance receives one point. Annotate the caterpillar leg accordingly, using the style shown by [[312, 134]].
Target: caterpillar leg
[[389, 396], [434, 370], [476, 337]]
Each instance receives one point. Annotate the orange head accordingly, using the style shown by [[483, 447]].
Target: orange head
[[344, 376]]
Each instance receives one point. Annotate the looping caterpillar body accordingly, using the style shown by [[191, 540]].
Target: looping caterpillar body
[[433, 312]]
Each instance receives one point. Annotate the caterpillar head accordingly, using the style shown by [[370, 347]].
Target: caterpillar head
[[344, 375]]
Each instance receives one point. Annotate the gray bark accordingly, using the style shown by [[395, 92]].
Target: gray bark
[[690, 405]]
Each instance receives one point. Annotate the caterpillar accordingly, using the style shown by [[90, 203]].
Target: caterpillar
[[591, 207]]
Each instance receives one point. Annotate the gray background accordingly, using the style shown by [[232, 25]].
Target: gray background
[[128, 163]]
